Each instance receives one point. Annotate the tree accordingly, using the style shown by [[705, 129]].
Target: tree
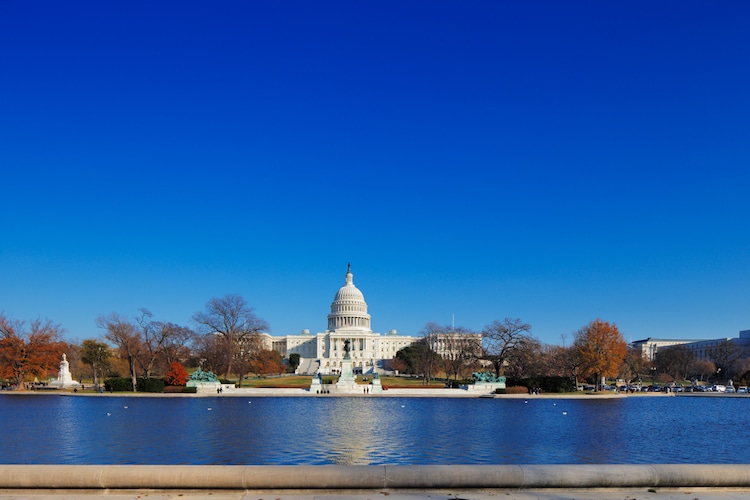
[[457, 346], [417, 359], [126, 337], [634, 365], [407, 358], [233, 321], [246, 359], [267, 362], [96, 354], [724, 354], [601, 349], [209, 353], [160, 340], [35, 351], [675, 361], [177, 375], [525, 359], [397, 364], [550, 360], [426, 359], [501, 339], [294, 360], [703, 369]]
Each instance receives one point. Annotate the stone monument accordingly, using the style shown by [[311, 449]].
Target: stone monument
[[204, 381], [346, 383], [316, 386], [376, 387], [485, 382], [64, 379]]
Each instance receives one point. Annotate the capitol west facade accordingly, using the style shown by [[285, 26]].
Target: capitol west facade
[[348, 320]]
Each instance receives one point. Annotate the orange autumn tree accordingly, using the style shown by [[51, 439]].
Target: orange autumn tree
[[600, 349], [267, 363], [24, 353], [177, 375]]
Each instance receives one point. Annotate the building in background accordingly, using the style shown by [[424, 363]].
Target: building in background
[[701, 347], [349, 320]]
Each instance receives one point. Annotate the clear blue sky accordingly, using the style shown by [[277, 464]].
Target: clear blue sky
[[551, 161]]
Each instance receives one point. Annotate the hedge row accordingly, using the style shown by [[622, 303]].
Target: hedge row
[[123, 384]]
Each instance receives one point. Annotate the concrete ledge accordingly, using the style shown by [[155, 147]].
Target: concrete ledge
[[396, 477]]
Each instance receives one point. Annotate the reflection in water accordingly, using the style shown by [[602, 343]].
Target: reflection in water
[[368, 431], [349, 432]]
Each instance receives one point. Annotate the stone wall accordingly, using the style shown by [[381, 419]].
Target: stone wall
[[420, 478]]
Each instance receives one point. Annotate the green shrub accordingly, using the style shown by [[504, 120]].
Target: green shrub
[[546, 384], [150, 385], [118, 384], [179, 389]]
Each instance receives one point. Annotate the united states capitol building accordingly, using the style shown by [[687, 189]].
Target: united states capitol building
[[348, 320]]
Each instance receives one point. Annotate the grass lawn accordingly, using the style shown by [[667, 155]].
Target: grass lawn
[[303, 381], [290, 382]]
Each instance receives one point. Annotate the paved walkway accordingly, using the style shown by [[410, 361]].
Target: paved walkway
[[545, 494]]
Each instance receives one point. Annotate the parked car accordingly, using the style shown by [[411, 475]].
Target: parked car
[[729, 389], [742, 389]]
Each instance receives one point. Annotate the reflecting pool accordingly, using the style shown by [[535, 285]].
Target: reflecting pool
[[371, 431]]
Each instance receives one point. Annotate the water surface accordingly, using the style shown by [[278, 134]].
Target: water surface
[[369, 431]]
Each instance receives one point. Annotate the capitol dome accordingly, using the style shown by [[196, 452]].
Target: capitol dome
[[349, 309]]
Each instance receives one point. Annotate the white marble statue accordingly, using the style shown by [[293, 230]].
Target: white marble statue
[[64, 379]]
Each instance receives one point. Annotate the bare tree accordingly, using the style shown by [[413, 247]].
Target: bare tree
[[231, 319], [177, 346], [160, 340], [427, 360], [126, 336], [501, 339], [525, 360], [551, 360], [703, 369], [723, 355], [459, 347], [209, 353], [634, 365], [247, 356], [675, 361]]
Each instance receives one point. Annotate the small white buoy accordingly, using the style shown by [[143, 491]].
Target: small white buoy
[[210, 409], [565, 413], [108, 414], [125, 407]]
